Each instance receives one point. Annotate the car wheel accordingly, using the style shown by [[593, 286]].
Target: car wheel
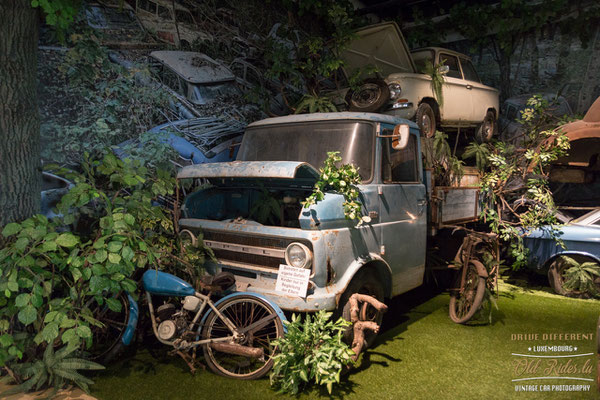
[[425, 119], [487, 129], [556, 277], [371, 95]]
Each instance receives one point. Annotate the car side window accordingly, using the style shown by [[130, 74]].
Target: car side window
[[148, 6], [164, 13], [399, 165], [511, 113], [452, 63], [171, 80], [469, 71]]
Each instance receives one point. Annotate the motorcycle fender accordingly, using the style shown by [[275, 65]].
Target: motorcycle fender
[[278, 310], [132, 323], [481, 271]]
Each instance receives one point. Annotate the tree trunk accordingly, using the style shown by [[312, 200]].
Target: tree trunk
[[505, 81], [20, 178]]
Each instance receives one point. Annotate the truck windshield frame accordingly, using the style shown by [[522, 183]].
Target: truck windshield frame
[[310, 141]]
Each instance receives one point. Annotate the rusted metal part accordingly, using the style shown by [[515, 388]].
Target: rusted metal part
[[358, 316], [238, 350]]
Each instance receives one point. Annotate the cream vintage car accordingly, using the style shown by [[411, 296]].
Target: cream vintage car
[[404, 91]]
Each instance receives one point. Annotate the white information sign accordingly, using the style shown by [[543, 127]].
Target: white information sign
[[292, 280]]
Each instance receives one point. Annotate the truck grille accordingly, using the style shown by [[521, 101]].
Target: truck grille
[[256, 250]]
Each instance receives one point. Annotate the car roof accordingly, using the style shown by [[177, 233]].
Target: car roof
[[334, 116], [442, 50], [194, 67]]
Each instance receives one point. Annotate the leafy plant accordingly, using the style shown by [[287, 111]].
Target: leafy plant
[[446, 167], [89, 103], [437, 80], [51, 279], [55, 369], [479, 151], [516, 184], [580, 277], [313, 104], [266, 209], [342, 179], [312, 351]]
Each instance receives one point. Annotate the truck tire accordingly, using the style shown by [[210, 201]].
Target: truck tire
[[364, 282], [487, 129], [425, 119], [371, 95]]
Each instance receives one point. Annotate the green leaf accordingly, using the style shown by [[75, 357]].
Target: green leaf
[[21, 243], [11, 229], [50, 332], [6, 340], [101, 255], [114, 246], [27, 315], [114, 258], [68, 323], [50, 316], [84, 331], [22, 300], [49, 246], [113, 304], [67, 240], [13, 287], [127, 253], [70, 336]]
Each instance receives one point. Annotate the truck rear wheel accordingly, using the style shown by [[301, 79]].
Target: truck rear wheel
[[364, 282]]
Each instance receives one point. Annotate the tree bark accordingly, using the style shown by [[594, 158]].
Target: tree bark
[[20, 177]]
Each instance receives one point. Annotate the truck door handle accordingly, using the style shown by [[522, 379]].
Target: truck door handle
[[469, 87], [421, 203]]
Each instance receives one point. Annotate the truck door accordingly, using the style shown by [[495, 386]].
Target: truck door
[[403, 216]]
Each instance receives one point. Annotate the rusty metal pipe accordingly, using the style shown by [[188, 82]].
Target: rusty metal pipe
[[238, 350]]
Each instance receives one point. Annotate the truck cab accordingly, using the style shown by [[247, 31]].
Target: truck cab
[[249, 211]]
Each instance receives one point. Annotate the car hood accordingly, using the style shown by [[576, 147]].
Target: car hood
[[294, 173], [380, 45]]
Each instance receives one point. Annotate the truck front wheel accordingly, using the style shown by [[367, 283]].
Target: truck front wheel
[[364, 282]]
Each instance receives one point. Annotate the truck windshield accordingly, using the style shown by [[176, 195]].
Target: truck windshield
[[310, 142]]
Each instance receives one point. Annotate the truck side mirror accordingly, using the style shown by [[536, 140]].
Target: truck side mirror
[[444, 69], [400, 136]]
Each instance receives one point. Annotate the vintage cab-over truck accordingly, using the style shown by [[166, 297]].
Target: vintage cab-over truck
[[276, 166]]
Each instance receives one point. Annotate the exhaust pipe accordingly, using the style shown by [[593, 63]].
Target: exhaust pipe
[[238, 350]]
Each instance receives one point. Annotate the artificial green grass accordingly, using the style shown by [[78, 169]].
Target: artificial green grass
[[421, 354]]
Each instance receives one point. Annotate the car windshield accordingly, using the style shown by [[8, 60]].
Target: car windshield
[[203, 94], [421, 58], [310, 142], [591, 218]]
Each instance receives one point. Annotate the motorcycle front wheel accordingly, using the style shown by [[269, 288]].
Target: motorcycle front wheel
[[243, 311]]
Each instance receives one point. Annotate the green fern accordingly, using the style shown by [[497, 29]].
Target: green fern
[[54, 370], [580, 277], [313, 104], [480, 151], [437, 79]]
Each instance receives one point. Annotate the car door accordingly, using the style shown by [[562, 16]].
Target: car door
[[479, 93], [457, 107], [403, 218]]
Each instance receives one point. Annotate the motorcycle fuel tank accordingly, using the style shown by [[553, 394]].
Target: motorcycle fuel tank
[[164, 284]]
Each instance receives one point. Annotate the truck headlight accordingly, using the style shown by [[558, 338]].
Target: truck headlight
[[298, 255], [395, 90]]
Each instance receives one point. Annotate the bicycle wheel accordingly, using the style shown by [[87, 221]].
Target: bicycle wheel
[[243, 311], [107, 342], [465, 301]]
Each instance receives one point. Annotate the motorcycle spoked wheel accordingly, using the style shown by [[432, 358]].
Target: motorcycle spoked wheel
[[107, 339], [464, 302], [242, 311]]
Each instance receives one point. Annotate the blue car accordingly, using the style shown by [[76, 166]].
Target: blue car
[[197, 140], [581, 238]]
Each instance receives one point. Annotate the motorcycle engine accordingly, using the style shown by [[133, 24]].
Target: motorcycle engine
[[171, 322]]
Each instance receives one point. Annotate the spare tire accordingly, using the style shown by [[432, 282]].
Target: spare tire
[[371, 95]]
